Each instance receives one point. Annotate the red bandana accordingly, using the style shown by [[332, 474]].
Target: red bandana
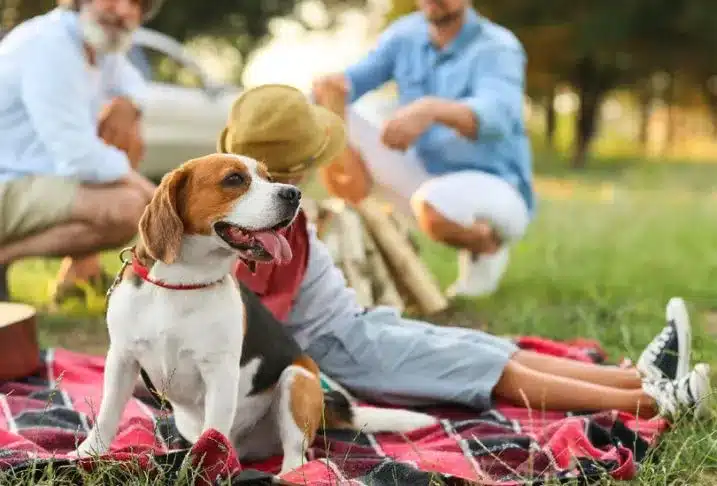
[[277, 285]]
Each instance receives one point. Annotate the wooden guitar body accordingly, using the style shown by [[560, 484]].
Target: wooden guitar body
[[19, 348]]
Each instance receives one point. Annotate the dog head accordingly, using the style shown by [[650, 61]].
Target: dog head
[[230, 200]]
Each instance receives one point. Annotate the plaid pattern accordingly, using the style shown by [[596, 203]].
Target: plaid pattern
[[44, 417]]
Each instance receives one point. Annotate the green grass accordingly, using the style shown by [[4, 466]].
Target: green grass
[[593, 268]]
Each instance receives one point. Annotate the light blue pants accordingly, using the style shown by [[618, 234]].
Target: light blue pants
[[390, 359]]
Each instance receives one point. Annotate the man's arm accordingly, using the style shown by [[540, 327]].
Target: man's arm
[[497, 102], [456, 115], [120, 121], [53, 91], [129, 83], [492, 111], [375, 69]]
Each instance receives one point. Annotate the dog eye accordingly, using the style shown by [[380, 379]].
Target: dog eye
[[234, 179]]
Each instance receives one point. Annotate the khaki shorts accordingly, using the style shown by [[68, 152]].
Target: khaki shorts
[[34, 203]]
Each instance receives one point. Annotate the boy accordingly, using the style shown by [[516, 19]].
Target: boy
[[379, 354]]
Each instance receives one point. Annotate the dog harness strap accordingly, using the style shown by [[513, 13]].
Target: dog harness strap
[[143, 273]]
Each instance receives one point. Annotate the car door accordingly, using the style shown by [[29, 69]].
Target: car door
[[184, 113]]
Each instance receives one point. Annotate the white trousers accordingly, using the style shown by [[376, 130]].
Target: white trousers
[[461, 197]]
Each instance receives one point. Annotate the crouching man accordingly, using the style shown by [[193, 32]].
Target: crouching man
[[70, 110]]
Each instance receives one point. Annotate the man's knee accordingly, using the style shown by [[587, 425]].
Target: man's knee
[[441, 229], [429, 220], [114, 212], [127, 211]]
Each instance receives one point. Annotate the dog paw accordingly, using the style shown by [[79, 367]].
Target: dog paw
[[86, 449]]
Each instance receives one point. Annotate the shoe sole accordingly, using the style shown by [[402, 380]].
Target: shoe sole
[[676, 311], [702, 390]]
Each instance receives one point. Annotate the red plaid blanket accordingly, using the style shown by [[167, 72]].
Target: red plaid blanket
[[43, 417]]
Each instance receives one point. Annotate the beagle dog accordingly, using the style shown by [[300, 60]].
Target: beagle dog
[[206, 343]]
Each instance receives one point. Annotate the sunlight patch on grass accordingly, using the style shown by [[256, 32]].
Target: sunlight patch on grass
[[555, 189]]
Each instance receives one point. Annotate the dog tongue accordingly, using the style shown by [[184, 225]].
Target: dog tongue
[[275, 244]]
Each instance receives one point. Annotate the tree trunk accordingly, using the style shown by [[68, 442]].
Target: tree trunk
[[586, 125], [9, 14], [644, 128], [12, 12], [712, 104], [551, 119], [592, 86], [670, 103], [709, 91]]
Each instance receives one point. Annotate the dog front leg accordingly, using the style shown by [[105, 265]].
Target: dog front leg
[[121, 372], [221, 381]]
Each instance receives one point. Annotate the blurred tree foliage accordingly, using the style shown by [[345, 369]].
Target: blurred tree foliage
[[245, 24], [15, 11], [656, 48], [242, 23]]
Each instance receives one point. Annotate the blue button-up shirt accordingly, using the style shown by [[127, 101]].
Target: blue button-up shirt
[[484, 67], [50, 99]]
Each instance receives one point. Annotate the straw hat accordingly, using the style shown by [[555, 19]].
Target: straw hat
[[278, 125]]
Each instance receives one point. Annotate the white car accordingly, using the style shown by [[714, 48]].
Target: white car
[[185, 109]]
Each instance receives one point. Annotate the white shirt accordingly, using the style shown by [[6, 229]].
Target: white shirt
[[50, 100]]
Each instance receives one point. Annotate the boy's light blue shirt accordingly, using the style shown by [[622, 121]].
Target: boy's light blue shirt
[[50, 102], [484, 67]]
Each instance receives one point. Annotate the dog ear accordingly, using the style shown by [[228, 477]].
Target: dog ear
[[161, 228]]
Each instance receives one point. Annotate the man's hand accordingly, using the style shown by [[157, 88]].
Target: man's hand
[[136, 148], [408, 123], [119, 126], [331, 92]]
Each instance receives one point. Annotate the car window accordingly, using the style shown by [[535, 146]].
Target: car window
[[160, 67]]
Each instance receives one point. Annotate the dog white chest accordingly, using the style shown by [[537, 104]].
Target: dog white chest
[[173, 334], [179, 339]]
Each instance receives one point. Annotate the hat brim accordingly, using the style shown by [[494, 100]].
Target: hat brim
[[336, 131], [337, 139], [336, 143], [222, 141]]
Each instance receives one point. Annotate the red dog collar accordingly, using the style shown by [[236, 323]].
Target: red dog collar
[[143, 273]]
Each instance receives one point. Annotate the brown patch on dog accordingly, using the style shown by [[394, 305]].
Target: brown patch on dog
[[307, 398], [337, 412], [161, 227], [188, 200], [305, 361], [244, 322], [206, 197], [142, 255], [263, 171]]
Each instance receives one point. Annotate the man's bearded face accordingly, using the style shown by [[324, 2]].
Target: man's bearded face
[[107, 25], [440, 12]]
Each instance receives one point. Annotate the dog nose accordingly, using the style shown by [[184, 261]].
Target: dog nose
[[290, 194]]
